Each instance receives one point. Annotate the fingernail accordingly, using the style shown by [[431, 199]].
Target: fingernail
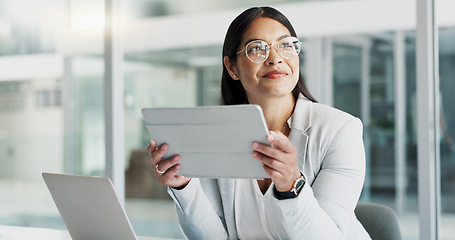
[[255, 145]]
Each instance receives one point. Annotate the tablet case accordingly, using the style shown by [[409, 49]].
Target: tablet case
[[214, 142]]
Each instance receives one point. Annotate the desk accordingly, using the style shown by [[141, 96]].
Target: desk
[[26, 233]]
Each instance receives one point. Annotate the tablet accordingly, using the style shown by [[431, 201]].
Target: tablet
[[213, 142]]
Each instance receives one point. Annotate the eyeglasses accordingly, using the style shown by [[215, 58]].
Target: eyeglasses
[[258, 51]]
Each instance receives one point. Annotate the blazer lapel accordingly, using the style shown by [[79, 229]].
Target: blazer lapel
[[301, 123], [227, 193], [300, 141]]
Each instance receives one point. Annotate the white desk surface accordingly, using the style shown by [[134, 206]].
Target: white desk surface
[[25, 233]]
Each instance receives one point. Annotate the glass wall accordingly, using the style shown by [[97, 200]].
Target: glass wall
[[364, 79], [153, 85], [51, 103], [447, 129]]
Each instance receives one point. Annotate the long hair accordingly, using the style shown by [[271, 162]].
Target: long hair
[[232, 91]]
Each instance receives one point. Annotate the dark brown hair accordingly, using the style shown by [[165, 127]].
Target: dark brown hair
[[232, 91]]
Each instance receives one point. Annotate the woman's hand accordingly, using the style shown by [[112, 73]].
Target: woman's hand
[[166, 170], [279, 160]]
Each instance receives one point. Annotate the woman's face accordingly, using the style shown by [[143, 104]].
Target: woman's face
[[276, 76]]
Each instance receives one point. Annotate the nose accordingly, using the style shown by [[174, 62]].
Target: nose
[[274, 57]]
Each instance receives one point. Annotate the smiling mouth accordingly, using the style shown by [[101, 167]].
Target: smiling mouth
[[275, 74]]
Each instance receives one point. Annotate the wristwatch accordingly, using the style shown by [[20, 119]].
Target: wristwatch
[[295, 190]]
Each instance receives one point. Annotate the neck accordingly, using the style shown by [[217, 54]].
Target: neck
[[277, 111]]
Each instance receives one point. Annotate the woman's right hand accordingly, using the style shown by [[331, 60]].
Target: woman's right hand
[[166, 170]]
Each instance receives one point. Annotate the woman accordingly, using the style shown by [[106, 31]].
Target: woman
[[316, 160]]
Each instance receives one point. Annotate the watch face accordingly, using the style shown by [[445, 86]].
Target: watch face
[[298, 185]]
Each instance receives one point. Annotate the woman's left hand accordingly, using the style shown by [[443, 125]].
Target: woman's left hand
[[279, 160]]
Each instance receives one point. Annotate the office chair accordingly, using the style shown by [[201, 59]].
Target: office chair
[[379, 221]]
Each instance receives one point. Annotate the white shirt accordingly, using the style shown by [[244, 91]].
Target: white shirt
[[250, 212], [250, 215]]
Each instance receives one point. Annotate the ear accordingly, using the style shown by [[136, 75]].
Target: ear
[[232, 68]]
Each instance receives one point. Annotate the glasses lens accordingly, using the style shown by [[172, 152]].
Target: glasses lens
[[257, 51], [289, 47]]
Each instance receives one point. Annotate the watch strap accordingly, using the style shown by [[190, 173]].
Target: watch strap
[[293, 192]]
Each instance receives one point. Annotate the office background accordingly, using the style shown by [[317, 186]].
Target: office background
[[358, 56]]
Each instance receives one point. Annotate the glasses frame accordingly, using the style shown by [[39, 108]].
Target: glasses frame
[[269, 48]]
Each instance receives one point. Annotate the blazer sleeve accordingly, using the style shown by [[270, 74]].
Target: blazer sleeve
[[197, 218], [325, 209]]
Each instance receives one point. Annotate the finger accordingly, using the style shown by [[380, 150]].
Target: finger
[[280, 141], [158, 154], [270, 162], [151, 147], [165, 165], [170, 175], [172, 179], [273, 173], [267, 150]]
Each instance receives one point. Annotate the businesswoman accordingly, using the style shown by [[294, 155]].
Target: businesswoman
[[316, 162]]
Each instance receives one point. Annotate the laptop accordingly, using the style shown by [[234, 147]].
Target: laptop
[[90, 207], [213, 141]]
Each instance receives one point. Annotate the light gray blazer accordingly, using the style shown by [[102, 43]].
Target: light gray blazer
[[331, 156]]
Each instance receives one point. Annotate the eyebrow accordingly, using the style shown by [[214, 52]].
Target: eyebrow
[[254, 39]]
